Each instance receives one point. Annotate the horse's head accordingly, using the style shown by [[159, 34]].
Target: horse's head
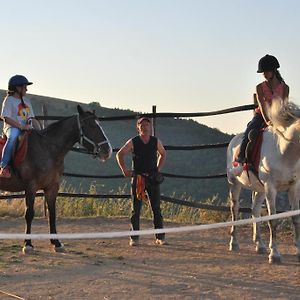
[[92, 136]]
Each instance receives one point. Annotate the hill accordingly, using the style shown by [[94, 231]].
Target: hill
[[175, 132]]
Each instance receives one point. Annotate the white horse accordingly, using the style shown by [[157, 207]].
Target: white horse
[[279, 170]]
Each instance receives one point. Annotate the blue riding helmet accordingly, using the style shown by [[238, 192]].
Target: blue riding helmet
[[18, 80]]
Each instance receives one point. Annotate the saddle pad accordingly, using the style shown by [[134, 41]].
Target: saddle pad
[[19, 153], [255, 153]]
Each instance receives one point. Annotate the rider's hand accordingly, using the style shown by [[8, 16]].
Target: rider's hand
[[25, 127]]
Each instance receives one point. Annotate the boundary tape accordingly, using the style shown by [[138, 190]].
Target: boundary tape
[[117, 234]]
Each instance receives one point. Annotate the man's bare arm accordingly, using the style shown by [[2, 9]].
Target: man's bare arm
[[162, 155], [126, 149]]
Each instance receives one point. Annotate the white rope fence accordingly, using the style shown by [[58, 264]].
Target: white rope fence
[[117, 234]]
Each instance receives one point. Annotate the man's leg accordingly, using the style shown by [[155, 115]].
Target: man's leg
[[154, 195], [136, 209]]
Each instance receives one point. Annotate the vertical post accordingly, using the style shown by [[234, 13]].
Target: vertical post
[[44, 125], [45, 114], [154, 120], [255, 99]]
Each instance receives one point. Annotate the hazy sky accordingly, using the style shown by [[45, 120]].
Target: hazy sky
[[183, 56]]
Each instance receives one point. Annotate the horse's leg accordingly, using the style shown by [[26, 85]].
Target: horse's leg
[[274, 256], [234, 193], [294, 201], [50, 197], [29, 214], [257, 201]]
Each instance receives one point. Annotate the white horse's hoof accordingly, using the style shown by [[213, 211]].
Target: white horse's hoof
[[275, 259], [61, 248], [27, 249], [234, 247]]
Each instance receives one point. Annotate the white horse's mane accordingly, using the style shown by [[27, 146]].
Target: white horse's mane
[[283, 113]]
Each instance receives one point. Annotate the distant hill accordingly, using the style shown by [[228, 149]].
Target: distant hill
[[171, 131]]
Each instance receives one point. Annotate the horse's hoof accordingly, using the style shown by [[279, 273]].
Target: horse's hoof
[[60, 248], [234, 247], [275, 259], [261, 250], [27, 249]]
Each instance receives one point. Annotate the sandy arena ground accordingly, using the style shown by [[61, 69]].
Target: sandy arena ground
[[194, 265]]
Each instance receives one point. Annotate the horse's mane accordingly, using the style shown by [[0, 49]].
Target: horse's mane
[[54, 124], [283, 113]]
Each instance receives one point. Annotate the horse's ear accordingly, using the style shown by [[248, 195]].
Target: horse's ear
[[79, 109]]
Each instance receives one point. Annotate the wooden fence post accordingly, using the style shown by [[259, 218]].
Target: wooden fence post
[[154, 120]]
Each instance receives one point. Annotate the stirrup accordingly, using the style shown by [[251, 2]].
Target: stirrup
[[237, 168]]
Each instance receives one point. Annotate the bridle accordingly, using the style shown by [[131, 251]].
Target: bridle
[[83, 137]]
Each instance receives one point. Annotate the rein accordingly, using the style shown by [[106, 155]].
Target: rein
[[83, 137]]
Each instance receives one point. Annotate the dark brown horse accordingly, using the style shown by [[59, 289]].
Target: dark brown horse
[[44, 163]]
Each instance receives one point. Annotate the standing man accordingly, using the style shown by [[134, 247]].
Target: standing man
[[148, 156]]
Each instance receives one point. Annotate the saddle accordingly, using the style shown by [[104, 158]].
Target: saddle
[[253, 150], [19, 150]]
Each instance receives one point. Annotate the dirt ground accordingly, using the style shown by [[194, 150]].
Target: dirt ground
[[194, 265]]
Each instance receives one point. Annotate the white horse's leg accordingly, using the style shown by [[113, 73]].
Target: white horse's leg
[[257, 201], [296, 222], [294, 201], [234, 193], [274, 256]]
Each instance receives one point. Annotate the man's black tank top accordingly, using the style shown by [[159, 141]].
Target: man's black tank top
[[144, 155]]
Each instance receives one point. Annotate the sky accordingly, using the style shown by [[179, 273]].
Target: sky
[[182, 56]]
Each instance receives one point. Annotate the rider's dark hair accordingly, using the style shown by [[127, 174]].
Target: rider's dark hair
[[13, 89], [278, 76]]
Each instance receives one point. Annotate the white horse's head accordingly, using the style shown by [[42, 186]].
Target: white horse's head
[[285, 117]]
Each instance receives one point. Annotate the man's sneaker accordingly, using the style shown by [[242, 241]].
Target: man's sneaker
[[5, 172], [133, 242], [161, 242], [237, 168]]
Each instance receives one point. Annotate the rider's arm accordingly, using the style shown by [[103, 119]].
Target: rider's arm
[[262, 103], [15, 124]]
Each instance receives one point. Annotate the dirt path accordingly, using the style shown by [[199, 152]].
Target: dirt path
[[194, 266]]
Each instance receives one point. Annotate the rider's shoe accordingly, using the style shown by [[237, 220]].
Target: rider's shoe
[[5, 172], [237, 168]]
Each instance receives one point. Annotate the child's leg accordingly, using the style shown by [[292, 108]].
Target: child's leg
[[256, 123], [11, 134]]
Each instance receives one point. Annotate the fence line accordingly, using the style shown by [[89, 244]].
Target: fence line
[[164, 115], [167, 147], [193, 204], [153, 115]]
